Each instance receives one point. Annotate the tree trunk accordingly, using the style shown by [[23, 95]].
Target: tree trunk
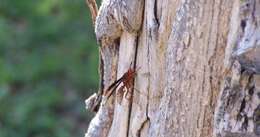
[[197, 66]]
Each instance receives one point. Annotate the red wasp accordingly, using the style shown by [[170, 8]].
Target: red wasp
[[126, 79]]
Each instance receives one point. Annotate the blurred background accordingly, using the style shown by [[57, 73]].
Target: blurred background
[[48, 67]]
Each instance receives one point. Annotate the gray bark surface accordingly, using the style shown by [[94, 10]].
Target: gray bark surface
[[197, 65]]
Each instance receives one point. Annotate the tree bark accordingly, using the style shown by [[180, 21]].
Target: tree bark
[[197, 65]]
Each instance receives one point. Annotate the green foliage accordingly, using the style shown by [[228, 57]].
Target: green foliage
[[48, 66]]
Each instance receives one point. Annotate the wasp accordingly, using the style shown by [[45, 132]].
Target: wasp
[[126, 80]]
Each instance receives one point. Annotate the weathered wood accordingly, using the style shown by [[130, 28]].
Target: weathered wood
[[93, 9], [238, 105], [192, 77], [118, 15], [123, 102], [101, 123], [116, 28], [248, 48]]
